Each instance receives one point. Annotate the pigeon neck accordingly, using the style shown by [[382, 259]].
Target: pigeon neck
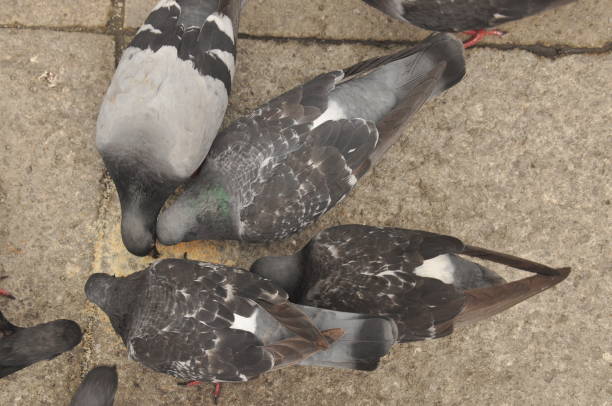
[[216, 218], [285, 271]]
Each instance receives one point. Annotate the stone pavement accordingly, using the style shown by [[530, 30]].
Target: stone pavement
[[515, 158]]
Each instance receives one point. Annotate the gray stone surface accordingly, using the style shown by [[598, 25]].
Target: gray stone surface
[[585, 23], [56, 13], [51, 85]]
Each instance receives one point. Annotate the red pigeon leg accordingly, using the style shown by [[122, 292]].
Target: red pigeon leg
[[6, 294], [478, 35], [215, 393]]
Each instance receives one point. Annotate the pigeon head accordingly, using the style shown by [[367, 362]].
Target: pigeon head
[[141, 198], [137, 233], [47, 340], [98, 388], [285, 272], [115, 296], [100, 289]]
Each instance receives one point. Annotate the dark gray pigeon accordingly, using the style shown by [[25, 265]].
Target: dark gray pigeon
[[164, 107], [473, 16], [98, 388], [206, 322], [21, 347], [277, 170], [414, 277]]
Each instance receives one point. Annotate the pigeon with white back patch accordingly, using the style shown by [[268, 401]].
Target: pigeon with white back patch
[[469, 16], [21, 347], [164, 107], [98, 388], [274, 172], [415, 277], [200, 321]]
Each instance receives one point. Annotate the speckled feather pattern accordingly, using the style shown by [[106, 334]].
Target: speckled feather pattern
[[376, 265]]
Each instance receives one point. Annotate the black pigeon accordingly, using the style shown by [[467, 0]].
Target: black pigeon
[[21, 347], [414, 277], [164, 107], [472, 16], [98, 388], [207, 322], [277, 170]]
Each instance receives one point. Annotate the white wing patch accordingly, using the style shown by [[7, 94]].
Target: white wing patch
[[167, 4], [226, 57], [439, 267], [223, 22], [245, 323], [333, 112], [148, 27]]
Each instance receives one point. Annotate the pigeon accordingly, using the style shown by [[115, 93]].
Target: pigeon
[[277, 170], [415, 277], [164, 107], [98, 388], [23, 346], [469, 16], [200, 321]]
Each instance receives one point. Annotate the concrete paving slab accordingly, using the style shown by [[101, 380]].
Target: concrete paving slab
[[583, 24], [56, 13], [51, 87], [513, 158]]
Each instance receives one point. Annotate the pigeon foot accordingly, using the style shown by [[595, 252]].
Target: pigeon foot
[[478, 35], [6, 293], [215, 393]]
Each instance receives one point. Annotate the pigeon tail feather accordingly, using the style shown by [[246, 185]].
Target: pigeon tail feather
[[366, 339]]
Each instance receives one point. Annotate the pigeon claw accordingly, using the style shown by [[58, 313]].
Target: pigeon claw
[[478, 35], [6, 293]]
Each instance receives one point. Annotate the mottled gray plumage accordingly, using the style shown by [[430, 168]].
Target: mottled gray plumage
[[23, 346], [414, 277], [98, 388], [462, 15], [277, 170], [164, 107], [207, 322]]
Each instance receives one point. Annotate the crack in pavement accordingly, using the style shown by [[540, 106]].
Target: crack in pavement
[[115, 28]]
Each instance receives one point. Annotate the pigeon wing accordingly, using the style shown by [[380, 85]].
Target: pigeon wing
[[309, 181]]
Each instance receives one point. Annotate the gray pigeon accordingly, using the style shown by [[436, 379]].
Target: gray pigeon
[[206, 322], [98, 388], [164, 107], [472, 16], [21, 347], [277, 170], [414, 277]]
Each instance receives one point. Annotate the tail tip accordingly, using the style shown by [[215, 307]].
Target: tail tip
[[563, 273]]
